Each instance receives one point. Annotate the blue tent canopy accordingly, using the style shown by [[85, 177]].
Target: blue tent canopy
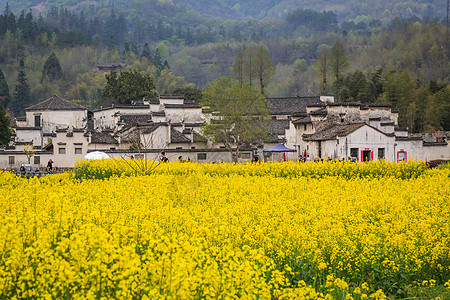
[[280, 148]]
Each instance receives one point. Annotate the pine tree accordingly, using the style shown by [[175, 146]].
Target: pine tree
[[52, 69], [4, 90], [146, 52], [5, 130], [22, 97]]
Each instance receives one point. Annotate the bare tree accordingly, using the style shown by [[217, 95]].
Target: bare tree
[[142, 143], [29, 151]]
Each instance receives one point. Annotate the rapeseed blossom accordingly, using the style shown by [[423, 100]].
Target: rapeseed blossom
[[270, 231]]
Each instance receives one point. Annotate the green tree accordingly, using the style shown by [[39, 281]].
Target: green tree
[[166, 82], [239, 115], [263, 67], [190, 93], [321, 67], [21, 95], [146, 52], [126, 87], [249, 64], [400, 89], [5, 128], [237, 70], [163, 51], [52, 69], [4, 90], [338, 62]]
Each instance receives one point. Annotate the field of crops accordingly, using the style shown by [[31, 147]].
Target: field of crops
[[223, 231]]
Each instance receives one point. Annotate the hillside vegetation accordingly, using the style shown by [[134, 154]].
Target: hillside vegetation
[[243, 9], [400, 61]]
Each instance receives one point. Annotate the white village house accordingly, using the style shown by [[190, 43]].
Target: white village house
[[64, 131]]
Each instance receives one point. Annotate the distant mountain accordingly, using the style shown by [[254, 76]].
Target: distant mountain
[[243, 9]]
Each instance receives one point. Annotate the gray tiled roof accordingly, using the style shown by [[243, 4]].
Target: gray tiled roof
[[178, 137], [130, 120], [171, 96], [56, 103], [319, 112], [103, 138], [152, 100], [278, 127], [304, 120], [132, 133], [167, 105], [291, 105], [198, 138], [332, 131]]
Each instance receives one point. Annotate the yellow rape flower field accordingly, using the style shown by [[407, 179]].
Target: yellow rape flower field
[[333, 230]]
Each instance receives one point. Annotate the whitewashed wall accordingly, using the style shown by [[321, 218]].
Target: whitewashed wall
[[29, 135], [364, 138], [51, 120]]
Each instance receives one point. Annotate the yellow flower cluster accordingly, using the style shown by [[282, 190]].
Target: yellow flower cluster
[[224, 231]]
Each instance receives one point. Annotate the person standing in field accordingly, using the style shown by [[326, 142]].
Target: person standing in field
[[163, 158], [50, 166]]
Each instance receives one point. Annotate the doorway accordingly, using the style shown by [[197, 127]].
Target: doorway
[[366, 155]]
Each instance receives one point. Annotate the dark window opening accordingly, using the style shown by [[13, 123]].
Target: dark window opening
[[37, 121], [354, 153], [201, 156]]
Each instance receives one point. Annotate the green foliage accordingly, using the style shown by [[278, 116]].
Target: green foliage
[[166, 82], [263, 67], [5, 127], [324, 21], [21, 95], [239, 114], [322, 66], [52, 69], [253, 64], [190, 93], [4, 90], [127, 86]]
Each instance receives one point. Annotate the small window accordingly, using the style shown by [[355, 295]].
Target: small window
[[62, 150], [201, 156], [304, 127], [274, 117], [192, 147], [37, 160], [381, 153], [178, 148], [11, 160], [37, 121], [354, 153], [78, 150], [245, 155]]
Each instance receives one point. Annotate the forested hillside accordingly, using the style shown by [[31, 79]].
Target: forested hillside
[[402, 61], [243, 9]]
